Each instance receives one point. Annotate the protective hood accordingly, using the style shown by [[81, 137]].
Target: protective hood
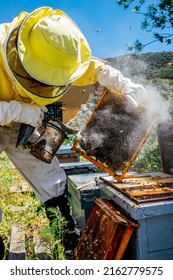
[[45, 56]]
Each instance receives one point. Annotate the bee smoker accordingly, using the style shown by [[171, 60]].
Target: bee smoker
[[50, 140], [48, 143]]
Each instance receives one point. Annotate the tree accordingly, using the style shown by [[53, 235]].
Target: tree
[[157, 16]]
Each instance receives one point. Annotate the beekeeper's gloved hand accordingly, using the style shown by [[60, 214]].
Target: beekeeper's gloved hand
[[22, 112], [136, 94], [32, 114], [112, 78]]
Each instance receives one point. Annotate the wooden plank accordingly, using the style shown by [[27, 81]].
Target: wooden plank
[[14, 189], [124, 242], [151, 192], [18, 208], [25, 187], [17, 244], [21, 189], [41, 248]]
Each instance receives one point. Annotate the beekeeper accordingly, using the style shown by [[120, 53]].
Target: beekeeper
[[42, 54]]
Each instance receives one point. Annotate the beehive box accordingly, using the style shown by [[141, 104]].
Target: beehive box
[[82, 199], [66, 155], [147, 199]]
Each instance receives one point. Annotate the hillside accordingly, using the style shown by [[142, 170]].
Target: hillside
[[149, 68]]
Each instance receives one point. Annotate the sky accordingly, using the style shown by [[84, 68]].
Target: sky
[[108, 28]]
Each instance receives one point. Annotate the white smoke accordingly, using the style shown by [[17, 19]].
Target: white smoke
[[96, 138], [134, 68], [158, 104]]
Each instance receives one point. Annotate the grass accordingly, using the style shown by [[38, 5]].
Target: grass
[[32, 219]]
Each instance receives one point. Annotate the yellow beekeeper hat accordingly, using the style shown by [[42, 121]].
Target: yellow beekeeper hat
[[52, 48]]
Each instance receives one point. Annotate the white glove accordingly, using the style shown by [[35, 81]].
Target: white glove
[[112, 78], [22, 112], [136, 94]]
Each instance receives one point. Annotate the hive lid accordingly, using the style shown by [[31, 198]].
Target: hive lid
[[114, 134]]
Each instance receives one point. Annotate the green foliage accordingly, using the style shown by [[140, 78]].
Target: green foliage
[[158, 15], [148, 159], [148, 65], [53, 235], [166, 72], [70, 140]]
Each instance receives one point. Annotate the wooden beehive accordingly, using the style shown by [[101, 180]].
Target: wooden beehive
[[106, 234]]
